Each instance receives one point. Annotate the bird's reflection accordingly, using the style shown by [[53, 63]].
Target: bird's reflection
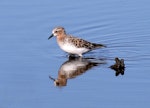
[[73, 68]]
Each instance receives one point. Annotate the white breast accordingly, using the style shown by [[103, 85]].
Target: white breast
[[72, 49]]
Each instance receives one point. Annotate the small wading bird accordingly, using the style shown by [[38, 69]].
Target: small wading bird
[[73, 45]]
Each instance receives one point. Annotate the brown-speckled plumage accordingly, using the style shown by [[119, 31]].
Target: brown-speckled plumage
[[85, 44]]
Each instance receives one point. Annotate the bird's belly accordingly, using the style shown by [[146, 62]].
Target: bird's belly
[[73, 49]]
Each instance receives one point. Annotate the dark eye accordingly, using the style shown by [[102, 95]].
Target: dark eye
[[56, 31], [57, 83]]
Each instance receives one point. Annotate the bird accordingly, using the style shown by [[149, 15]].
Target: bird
[[73, 45]]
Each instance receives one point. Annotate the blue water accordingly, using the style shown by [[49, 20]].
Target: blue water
[[27, 58]]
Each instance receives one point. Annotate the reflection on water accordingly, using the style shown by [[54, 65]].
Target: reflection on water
[[74, 67], [119, 66]]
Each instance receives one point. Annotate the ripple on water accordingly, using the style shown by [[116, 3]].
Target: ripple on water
[[28, 58]]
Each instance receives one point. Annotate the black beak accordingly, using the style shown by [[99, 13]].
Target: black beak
[[51, 78], [50, 36]]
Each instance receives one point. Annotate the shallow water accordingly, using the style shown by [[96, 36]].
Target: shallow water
[[27, 58]]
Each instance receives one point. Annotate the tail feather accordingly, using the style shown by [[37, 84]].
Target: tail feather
[[98, 45]]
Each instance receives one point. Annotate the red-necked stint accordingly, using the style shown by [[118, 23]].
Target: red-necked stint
[[73, 45]]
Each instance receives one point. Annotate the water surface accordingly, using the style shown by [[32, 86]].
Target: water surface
[[28, 58]]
